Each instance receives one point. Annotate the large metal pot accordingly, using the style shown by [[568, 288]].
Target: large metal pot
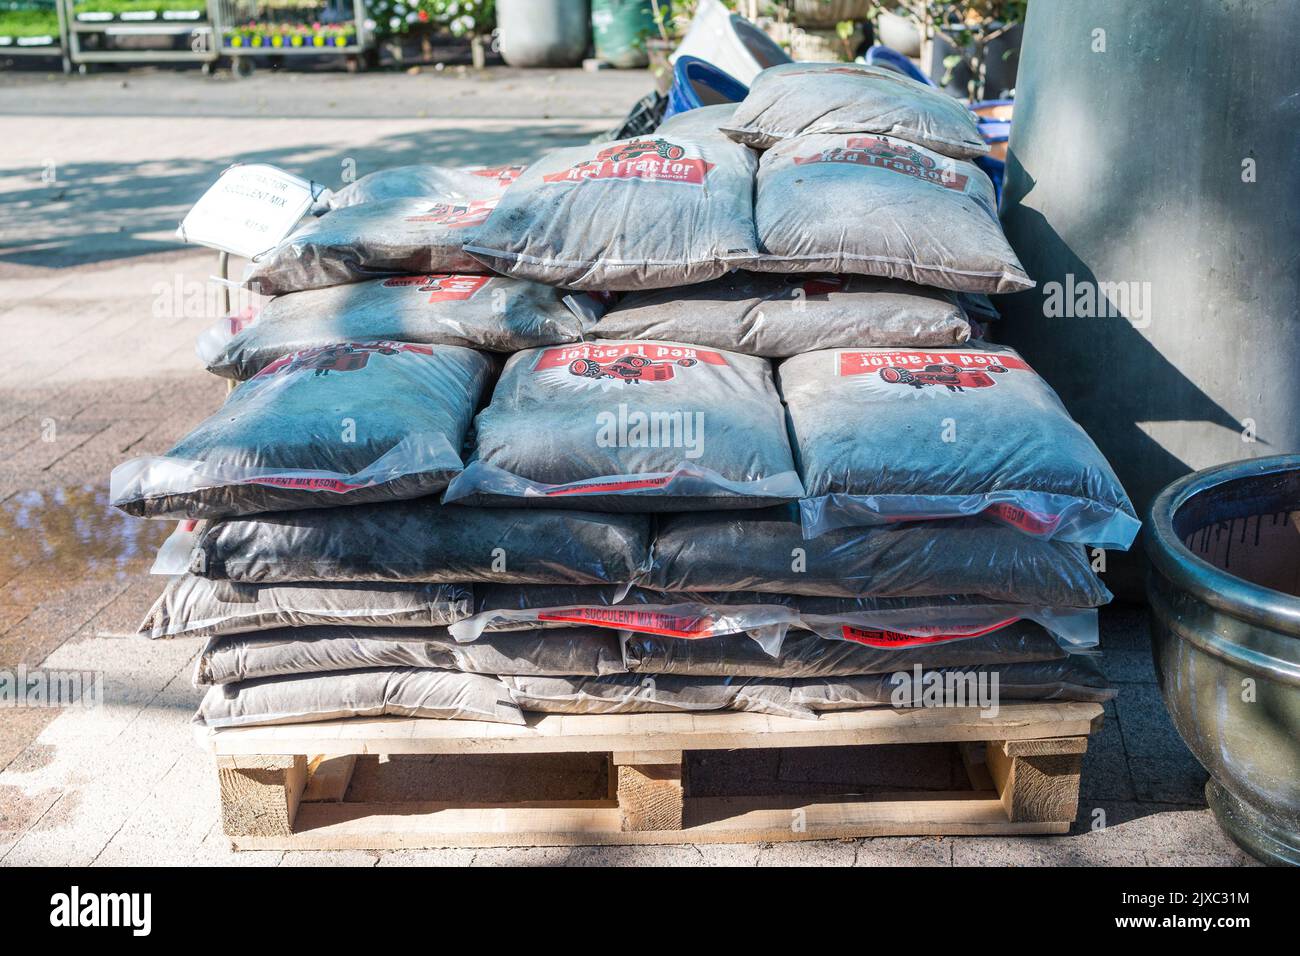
[[544, 33], [1224, 545]]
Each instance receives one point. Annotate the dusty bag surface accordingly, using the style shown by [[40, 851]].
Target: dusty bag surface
[[804, 654], [632, 214], [765, 551], [800, 99], [1074, 677], [701, 121], [879, 206], [400, 236], [340, 425], [693, 616], [493, 313], [424, 541], [631, 426], [890, 435], [313, 650], [778, 315], [387, 692], [193, 606], [642, 694], [427, 182]]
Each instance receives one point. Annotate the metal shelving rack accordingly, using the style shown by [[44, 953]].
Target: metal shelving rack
[[359, 51], [58, 48], [201, 30]]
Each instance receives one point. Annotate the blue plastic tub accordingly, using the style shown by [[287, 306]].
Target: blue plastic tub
[[698, 83]]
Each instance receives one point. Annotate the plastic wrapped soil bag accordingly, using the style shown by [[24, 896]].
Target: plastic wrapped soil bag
[[193, 606], [893, 435], [421, 541], [652, 694], [987, 686], [703, 121], [765, 551], [387, 237], [343, 424], [880, 206], [632, 214], [800, 99], [427, 182], [777, 315], [385, 692], [804, 654], [1075, 677], [631, 426], [475, 311], [313, 650], [692, 616]]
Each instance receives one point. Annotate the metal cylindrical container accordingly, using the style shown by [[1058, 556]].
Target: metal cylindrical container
[[1224, 590], [544, 33], [1151, 192]]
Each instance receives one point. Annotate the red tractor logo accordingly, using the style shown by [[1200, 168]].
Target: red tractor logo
[[951, 377], [628, 368], [640, 147], [336, 358]]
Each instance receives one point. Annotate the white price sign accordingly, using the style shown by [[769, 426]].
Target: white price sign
[[249, 209]]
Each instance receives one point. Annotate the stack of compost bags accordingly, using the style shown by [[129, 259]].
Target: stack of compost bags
[[698, 421]]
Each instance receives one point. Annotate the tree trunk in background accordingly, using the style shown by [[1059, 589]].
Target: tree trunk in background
[[1156, 147]]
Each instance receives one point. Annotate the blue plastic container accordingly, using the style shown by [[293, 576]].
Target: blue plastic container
[[893, 60], [698, 83]]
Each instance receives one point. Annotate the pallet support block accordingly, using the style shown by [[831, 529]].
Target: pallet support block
[[651, 794], [1037, 780], [260, 794]]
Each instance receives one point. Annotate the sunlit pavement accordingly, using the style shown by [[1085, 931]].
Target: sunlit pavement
[[99, 309]]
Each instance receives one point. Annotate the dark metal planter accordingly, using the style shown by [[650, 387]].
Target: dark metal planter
[[1224, 545]]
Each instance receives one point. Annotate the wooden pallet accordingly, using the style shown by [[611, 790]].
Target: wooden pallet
[[283, 787]]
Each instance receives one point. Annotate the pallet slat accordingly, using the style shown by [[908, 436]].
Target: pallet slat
[[714, 731]]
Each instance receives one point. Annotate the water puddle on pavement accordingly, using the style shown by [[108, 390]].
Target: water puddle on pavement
[[61, 535]]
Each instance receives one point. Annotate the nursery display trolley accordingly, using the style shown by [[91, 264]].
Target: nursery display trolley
[[153, 31]]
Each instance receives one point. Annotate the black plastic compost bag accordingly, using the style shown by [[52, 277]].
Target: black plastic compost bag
[[802, 99], [342, 424], [376, 692], [646, 213], [765, 551], [423, 541], [879, 206], [778, 315], [386, 237], [893, 435], [286, 651], [1074, 677], [684, 616], [474, 311], [444, 183], [193, 606], [804, 654], [631, 426]]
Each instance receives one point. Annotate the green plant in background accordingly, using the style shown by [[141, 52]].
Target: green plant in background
[[28, 20], [460, 18], [972, 25], [118, 7]]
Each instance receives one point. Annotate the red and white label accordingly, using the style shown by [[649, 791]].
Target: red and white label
[[629, 619], [457, 215], [655, 351], [651, 159], [879, 637], [505, 175], [897, 157], [1030, 522], [441, 288], [862, 363], [610, 487]]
